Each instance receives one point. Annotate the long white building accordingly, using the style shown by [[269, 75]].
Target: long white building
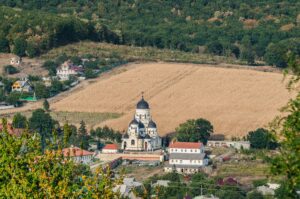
[[186, 157]]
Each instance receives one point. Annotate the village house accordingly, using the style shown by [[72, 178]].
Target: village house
[[11, 130], [65, 71], [186, 157], [22, 85], [234, 144], [15, 61], [78, 155], [110, 148], [142, 132], [126, 189]]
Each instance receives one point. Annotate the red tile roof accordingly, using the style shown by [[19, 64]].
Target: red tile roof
[[186, 145], [11, 130], [110, 147], [75, 151]]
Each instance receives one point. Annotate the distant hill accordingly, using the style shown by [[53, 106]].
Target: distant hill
[[248, 30]]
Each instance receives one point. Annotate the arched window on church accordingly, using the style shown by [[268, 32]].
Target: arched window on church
[[132, 142]]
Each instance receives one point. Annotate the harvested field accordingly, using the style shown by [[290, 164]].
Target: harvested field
[[234, 100]]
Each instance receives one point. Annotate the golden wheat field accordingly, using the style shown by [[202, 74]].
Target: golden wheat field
[[234, 100]]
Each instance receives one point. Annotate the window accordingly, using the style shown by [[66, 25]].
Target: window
[[132, 142], [180, 161]]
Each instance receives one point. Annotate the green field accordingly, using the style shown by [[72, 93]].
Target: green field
[[91, 119]]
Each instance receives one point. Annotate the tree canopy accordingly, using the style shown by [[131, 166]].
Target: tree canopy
[[194, 130]]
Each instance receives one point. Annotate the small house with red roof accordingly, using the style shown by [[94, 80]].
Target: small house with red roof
[[186, 157], [11, 130], [110, 148], [78, 155]]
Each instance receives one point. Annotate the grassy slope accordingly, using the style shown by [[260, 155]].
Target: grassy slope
[[131, 53]]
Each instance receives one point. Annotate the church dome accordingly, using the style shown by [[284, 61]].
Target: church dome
[[142, 104], [141, 125], [147, 136], [134, 122], [151, 124]]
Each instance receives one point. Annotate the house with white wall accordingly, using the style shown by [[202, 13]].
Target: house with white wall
[[224, 143], [186, 157], [110, 148], [78, 155], [65, 71]]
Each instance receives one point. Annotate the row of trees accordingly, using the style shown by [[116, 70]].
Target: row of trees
[[42, 123], [250, 31], [29, 33]]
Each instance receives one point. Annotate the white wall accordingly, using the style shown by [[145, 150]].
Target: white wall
[[109, 150], [182, 150], [185, 162]]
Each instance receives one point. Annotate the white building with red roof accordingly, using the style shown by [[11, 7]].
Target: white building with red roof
[[78, 155], [110, 148], [186, 157]]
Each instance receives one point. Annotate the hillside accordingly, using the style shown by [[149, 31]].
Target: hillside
[[234, 100], [248, 30]]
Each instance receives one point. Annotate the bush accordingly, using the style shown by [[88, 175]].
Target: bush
[[9, 69]]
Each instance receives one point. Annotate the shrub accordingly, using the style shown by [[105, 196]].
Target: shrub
[[9, 69]]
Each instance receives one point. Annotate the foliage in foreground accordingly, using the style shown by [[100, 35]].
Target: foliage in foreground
[[287, 130], [27, 173]]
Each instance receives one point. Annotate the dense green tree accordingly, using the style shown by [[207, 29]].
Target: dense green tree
[[89, 73], [276, 55], [13, 98], [261, 139], [4, 44], [194, 131], [9, 69], [46, 105], [41, 91], [20, 46], [286, 129], [56, 87], [67, 134], [215, 47], [19, 121], [83, 137], [42, 123], [32, 50]]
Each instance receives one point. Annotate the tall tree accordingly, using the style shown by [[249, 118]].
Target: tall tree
[[83, 137], [19, 121], [194, 131], [42, 123], [20, 45], [46, 105], [261, 139]]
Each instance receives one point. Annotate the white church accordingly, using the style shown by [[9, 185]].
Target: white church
[[142, 132]]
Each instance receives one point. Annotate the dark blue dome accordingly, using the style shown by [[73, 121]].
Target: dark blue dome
[[125, 136], [142, 104], [151, 124], [134, 121], [141, 125]]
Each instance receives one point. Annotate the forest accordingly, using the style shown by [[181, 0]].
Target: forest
[[248, 30]]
